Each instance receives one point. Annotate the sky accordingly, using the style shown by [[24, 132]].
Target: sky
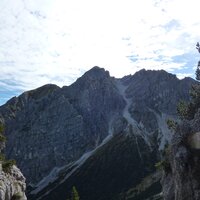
[[57, 41]]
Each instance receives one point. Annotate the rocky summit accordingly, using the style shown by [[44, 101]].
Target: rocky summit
[[101, 134]]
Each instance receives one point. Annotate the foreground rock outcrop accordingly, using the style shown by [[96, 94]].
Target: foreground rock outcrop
[[181, 180], [12, 184]]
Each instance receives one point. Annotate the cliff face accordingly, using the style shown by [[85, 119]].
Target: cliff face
[[54, 132], [182, 179]]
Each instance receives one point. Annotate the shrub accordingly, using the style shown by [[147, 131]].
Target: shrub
[[17, 196], [163, 165], [1, 128], [182, 109], [2, 138], [187, 111], [2, 157], [7, 165], [172, 125]]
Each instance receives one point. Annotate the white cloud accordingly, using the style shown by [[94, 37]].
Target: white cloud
[[58, 40]]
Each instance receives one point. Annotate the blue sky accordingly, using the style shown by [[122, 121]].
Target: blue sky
[[56, 41]]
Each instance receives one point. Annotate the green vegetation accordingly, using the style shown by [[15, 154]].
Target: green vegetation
[[17, 196], [2, 137], [188, 110], [1, 128], [171, 124], [2, 142], [2, 157], [182, 109], [7, 165], [198, 66], [74, 194], [163, 165]]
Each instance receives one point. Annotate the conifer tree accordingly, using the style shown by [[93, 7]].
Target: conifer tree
[[75, 195], [188, 110], [198, 66]]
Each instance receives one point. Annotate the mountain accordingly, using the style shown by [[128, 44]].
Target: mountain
[[101, 134]]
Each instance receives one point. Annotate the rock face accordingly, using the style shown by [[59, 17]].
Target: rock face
[[59, 125], [12, 185], [54, 132], [182, 179]]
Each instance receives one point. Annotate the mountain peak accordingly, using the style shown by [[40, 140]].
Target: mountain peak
[[97, 72]]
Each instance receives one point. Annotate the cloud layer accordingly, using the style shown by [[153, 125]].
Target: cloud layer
[[56, 41]]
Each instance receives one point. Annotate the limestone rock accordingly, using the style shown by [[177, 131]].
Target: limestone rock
[[194, 140], [12, 184]]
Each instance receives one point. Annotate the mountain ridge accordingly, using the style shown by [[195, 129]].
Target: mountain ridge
[[52, 127]]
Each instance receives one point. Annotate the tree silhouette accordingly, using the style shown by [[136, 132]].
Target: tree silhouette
[[198, 66], [188, 110]]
